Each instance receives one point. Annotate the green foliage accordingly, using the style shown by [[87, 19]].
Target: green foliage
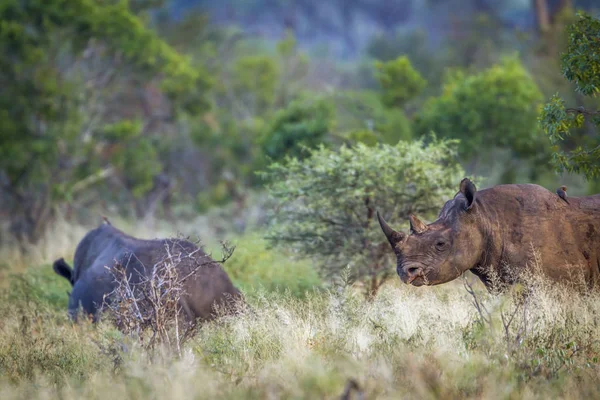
[[493, 108], [251, 85], [256, 80], [400, 82], [217, 195], [325, 204], [303, 124], [581, 61], [367, 120], [131, 153], [412, 44], [394, 126], [254, 266], [364, 136], [580, 65], [52, 104]]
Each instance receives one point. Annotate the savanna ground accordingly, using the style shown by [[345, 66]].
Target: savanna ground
[[302, 338]]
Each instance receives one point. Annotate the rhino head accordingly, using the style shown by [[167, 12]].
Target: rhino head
[[439, 252]]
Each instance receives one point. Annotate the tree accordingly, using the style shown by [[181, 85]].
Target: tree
[[495, 108], [251, 86], [381, 117], [303, 124], [79, 79], [363, 118], [255, 82], [546, 15], [399, 81], [580, 65], [325, 205]]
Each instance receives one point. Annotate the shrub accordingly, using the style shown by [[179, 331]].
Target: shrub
[[324, 206], [493, 108], [399, 81], [304, 123], [150, 308], [367, 120]]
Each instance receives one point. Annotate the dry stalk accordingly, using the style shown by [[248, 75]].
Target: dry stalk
[[147, 304]]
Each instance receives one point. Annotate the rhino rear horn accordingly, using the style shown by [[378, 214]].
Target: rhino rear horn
[[416, 225], [394, 237]]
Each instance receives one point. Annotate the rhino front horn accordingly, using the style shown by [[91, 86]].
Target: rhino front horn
[[394, 237], [416, 225]]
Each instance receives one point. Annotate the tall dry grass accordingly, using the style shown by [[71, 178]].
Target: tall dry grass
[[407, 343], [532, 341]]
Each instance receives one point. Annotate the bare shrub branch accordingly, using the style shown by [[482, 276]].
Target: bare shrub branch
[[149, 304]]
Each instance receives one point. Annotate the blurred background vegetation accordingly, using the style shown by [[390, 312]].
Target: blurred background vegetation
[[162, 110], [285, 125]]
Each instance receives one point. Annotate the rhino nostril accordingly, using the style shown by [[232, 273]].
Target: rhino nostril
[[413, 270]]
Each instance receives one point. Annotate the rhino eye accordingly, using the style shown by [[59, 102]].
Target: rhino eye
[[440, 244]]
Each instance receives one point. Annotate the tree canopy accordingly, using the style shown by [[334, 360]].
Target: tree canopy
[[399, 81], [581, 66], [496, 107], [63, 65]]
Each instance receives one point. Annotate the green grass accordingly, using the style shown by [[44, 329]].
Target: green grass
[[40, 285], [254, 266]]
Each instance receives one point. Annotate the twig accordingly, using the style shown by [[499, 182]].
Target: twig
[[582, 110]]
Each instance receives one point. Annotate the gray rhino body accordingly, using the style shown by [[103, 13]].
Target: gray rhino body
[[207, 285]]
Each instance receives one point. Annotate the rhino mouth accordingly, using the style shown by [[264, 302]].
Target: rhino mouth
[[415, 276], [417, 281]]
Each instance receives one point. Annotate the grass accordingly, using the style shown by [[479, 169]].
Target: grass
[[253, 266], [300, 343]]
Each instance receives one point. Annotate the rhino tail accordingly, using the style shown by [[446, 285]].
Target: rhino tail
[[63, 269]]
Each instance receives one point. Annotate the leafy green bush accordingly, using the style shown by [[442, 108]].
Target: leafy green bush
[[365, 119], [399, 81], [255, 82], [303, 124], [325, 205], [64, 68], [493, 108]]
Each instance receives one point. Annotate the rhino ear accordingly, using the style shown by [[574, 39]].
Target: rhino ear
[[468, 189], [416, 225], [63, 269], [394, 237]]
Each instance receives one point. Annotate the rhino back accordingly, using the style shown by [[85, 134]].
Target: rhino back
[[106, 244], [97, 244], [523, 219]]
